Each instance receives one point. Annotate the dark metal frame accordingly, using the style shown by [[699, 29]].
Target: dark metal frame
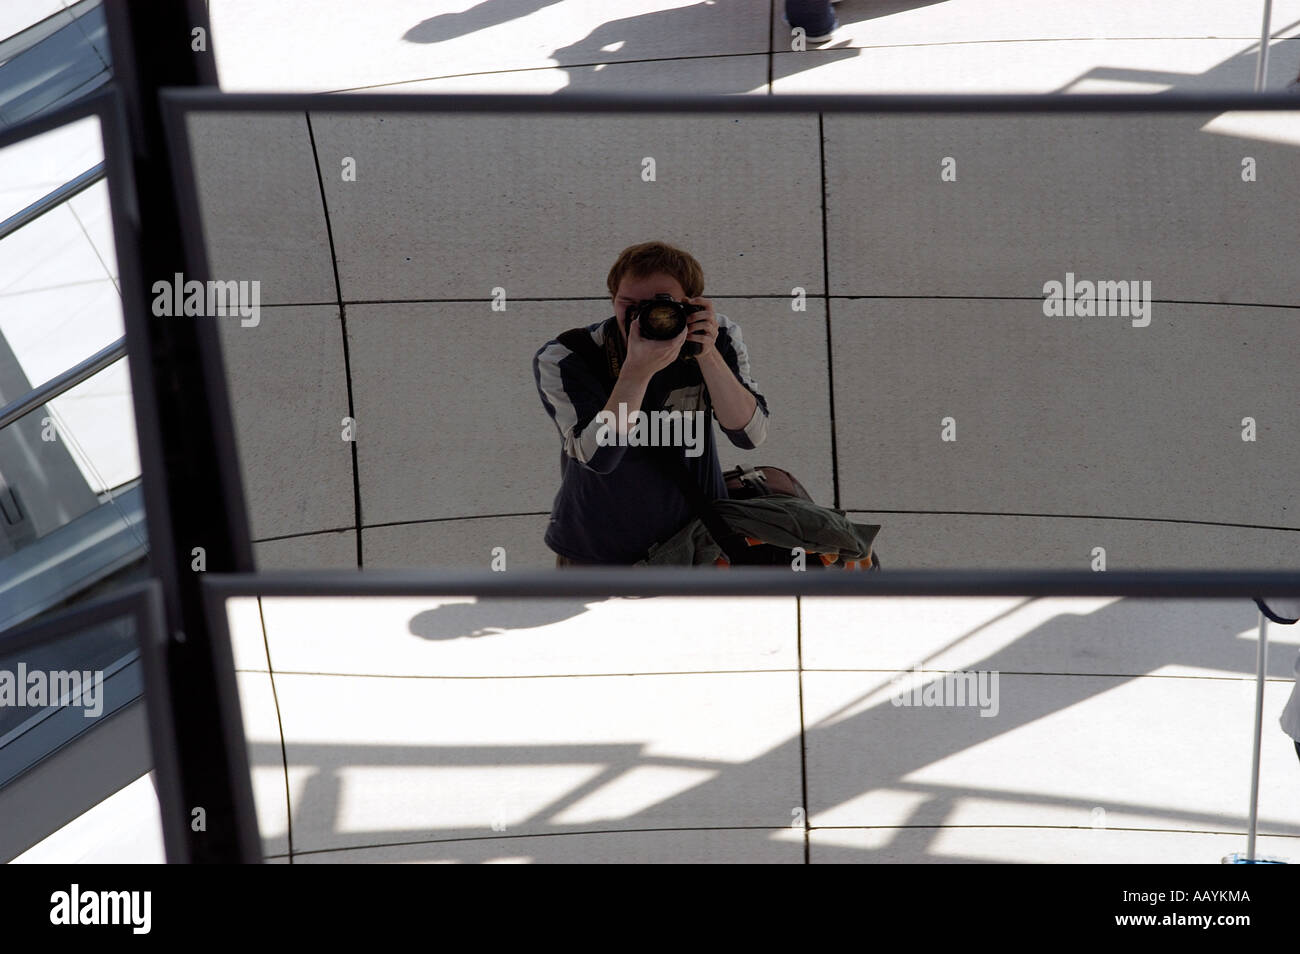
[[751, 581], [181, 100], [52, 200], [193, 494], [62, 383], [97, 104]]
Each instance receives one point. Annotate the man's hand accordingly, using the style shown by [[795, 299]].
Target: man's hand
[[646, 356], [733, 403], [702, 327]]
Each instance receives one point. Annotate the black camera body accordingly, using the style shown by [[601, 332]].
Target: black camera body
[[662, 318]]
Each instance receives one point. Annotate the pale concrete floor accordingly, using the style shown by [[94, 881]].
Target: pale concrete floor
[[741, 46], [766, 731], [460, 732]]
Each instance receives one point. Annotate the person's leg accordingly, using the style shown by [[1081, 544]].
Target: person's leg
[[817, 17]]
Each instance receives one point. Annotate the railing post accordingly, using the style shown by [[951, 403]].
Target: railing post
[[1261, 64], [1261, 667]]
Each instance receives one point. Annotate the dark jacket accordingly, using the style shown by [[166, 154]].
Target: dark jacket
[[615, 502]]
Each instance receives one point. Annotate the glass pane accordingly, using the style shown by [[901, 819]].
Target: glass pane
[[71, 501], [65, 701], [43, 685], [51, 54], [59, 297], [1010, 341], [71, 509]]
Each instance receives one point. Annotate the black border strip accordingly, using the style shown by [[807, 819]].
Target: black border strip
[[752, 581], [178, 100]]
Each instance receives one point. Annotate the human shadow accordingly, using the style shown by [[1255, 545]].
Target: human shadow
[[481, 16], [494, 617], [653, 36]]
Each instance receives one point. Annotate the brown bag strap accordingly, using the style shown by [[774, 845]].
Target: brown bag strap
[[765, 479]]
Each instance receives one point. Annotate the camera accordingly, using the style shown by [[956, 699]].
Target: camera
[[663, 318]]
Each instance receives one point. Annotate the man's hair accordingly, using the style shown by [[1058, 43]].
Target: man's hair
[[640, 261]]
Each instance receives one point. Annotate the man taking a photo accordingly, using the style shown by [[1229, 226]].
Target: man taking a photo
[[618, 499]]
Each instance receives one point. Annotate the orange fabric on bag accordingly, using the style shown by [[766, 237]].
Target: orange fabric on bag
[[827, 559]]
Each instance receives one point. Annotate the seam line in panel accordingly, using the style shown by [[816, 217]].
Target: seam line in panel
[[343, 327]]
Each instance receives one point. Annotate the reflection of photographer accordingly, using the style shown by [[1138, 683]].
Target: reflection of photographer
[[666, 354]]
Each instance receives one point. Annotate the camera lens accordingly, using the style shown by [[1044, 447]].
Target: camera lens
[[662, 321]]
